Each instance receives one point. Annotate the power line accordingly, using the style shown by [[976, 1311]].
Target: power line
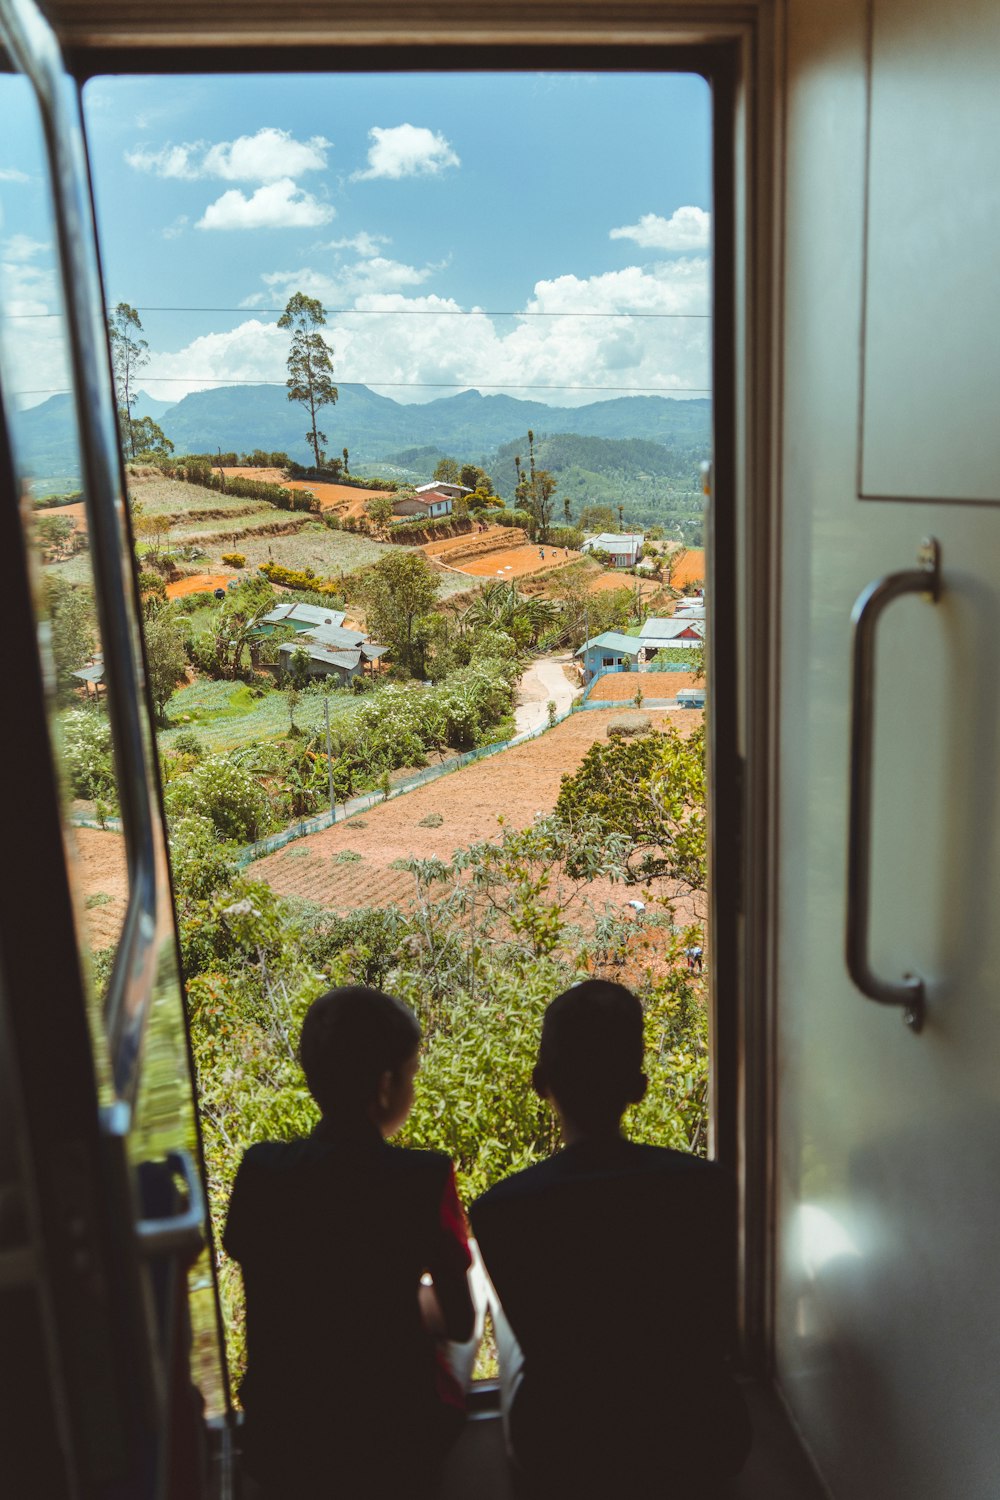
[[402, 312], [434, 385]]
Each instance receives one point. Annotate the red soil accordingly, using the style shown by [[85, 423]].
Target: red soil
[[197, 584], [621, 687]]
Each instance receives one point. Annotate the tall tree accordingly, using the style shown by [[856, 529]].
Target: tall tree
[[310, 364], [398, 592], [446, 471], [128, 356], [166, 661], [535, 491]]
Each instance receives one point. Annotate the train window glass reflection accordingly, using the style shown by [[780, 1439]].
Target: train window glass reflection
[[140, 1057], [413, 374]]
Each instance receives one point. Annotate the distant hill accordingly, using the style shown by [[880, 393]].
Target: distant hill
[[468, 427], [654, 483], [148, 406]]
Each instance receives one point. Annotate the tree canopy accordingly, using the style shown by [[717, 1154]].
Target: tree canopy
[[651, 789], [128, 356], [310, 364], [398, 592]]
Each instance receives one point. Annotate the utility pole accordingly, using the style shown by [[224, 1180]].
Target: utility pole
[[329, 759]]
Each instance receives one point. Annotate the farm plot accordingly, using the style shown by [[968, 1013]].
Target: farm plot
[[328, 553], [99, 863], [690, 569], [160, 495], [345, 499], [621, 687], [350, 866], [225, 715], [516, 562]]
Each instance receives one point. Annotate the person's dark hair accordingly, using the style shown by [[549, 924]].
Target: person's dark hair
[[590, 1054], [350, 1037]]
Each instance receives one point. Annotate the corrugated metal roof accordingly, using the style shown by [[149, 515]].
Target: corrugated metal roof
[[613, 640], [313, 614], [333, 635], [661, 629]]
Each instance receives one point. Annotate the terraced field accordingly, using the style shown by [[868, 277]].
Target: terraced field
[[350, 866]]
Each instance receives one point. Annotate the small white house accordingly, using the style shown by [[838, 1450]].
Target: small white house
[[624, 548], [429, 500]]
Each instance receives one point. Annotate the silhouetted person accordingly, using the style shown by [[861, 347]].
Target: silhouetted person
[[615, 1265], [347, 1392]]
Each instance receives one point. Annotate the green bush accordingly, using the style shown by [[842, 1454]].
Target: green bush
[[201, 865], [230, 797], [86, 754], [298, 578]]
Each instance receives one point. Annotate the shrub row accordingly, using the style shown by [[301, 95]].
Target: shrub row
[[297, 578], [245, 489], [46, 502]]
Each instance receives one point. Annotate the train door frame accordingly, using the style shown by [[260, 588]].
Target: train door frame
[[738, 48]]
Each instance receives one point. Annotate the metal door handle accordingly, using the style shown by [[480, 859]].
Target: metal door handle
[[924, 579], [183, 1231]]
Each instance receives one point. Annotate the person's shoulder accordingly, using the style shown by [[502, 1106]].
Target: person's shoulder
[[264, 1156], [666, 1159], [524, 1184], [415, 1161]]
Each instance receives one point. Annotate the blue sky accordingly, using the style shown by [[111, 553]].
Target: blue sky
[[402, 201]]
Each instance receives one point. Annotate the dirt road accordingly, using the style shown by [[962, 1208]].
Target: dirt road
[[543, 682]]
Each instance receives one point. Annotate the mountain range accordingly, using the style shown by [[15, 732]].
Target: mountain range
[[375, 429]]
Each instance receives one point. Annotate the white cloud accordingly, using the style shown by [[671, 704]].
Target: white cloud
[[363, 242], [22, 248], [168, 161], [252, 351], [35, 362], [687, 228], [177, 228], [13, 174], [406, 151], [348, 283], [276, 205], [268, 156], [408, 344]]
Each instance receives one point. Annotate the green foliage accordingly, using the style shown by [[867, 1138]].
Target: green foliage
[[200, 864], [53, 532], [148, 440], [399, 591], [651, 790], [72, 637], [225, 794], [85, 754], [166, 658], [301, 579], [128, 356], [310, 364], [534, 492], [379, 511]]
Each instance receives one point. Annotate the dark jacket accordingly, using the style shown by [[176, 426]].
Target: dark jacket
[[333, 1233], [615, 1265]]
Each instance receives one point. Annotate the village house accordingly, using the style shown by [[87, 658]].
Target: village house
[[684, 631], [301, 617], [332, 651], [624, 548], [609, 652], [429, 500]]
